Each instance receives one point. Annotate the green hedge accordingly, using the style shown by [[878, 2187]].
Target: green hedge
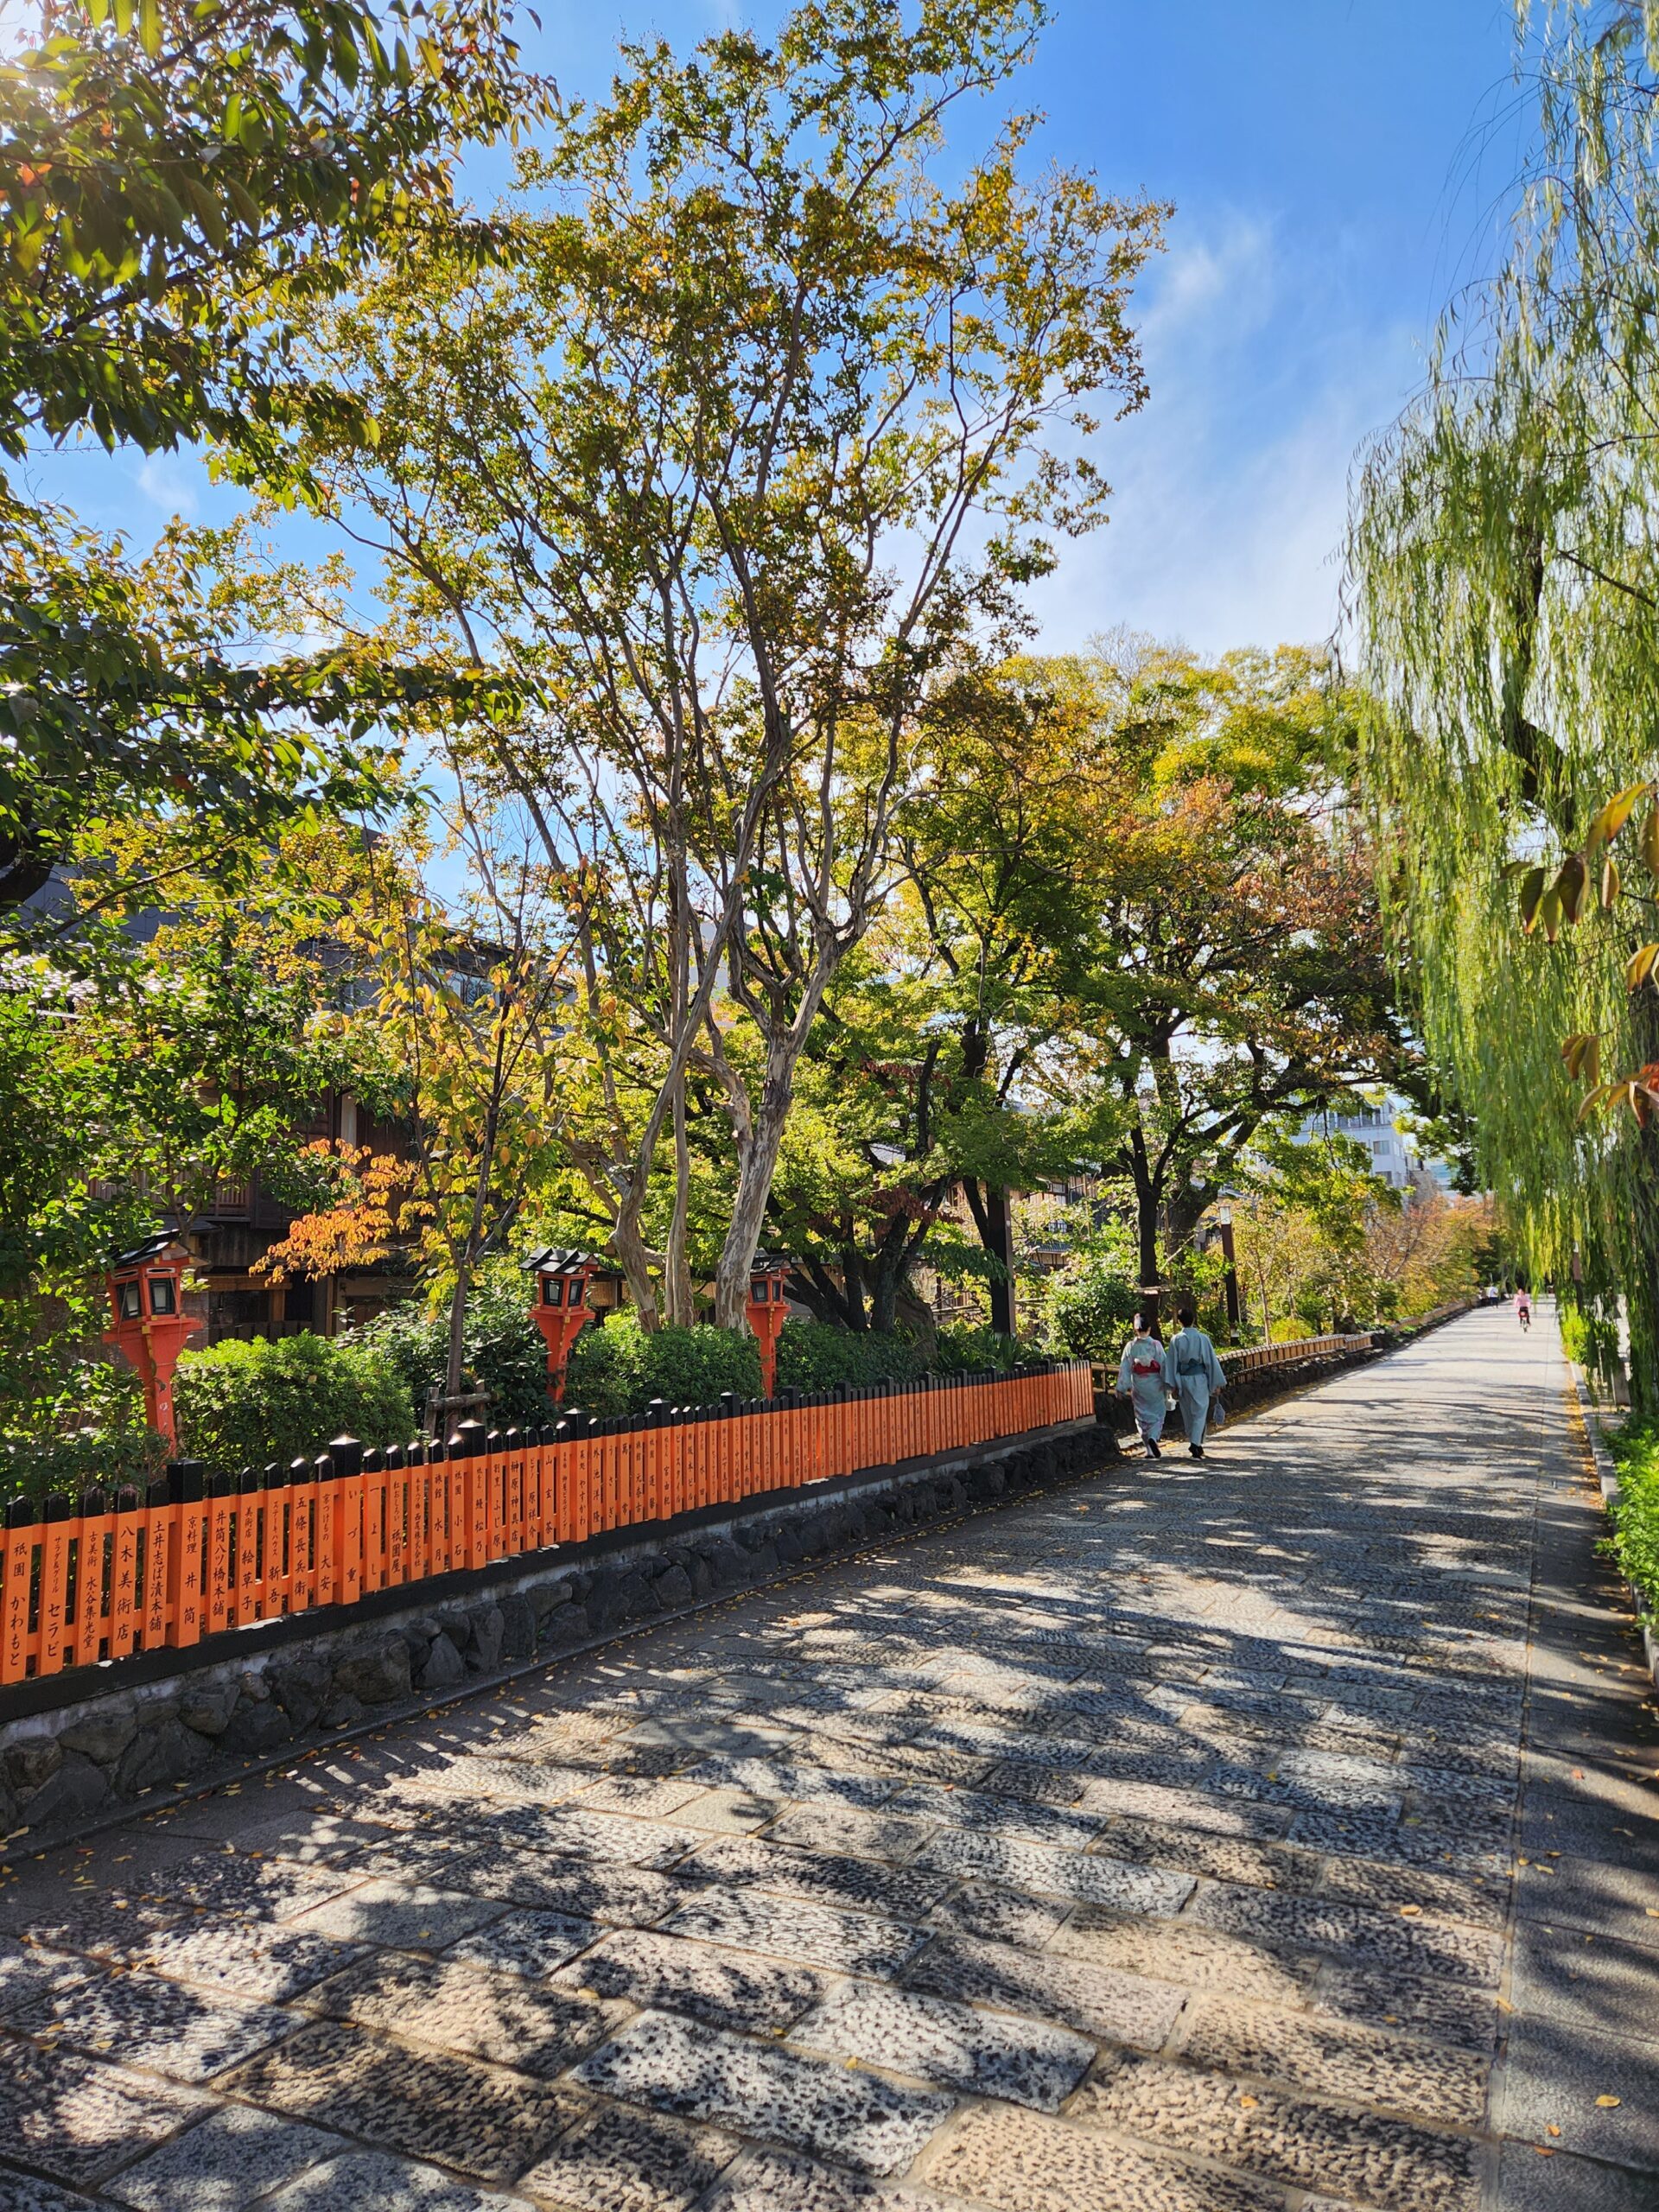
[[243, 1405], [94, 1459], [501, 1348], [617, 1370], [816, 1355], [1635, 1512]]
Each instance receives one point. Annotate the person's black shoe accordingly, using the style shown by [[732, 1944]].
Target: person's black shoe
[[1196, 1451], [1153, 1452]]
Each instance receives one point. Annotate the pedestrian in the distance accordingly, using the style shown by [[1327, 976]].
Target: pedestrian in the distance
[[1143, 1379], [1197, 1375], [1523, 1307]]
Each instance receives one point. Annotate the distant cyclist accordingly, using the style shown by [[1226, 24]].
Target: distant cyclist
[[1523, 1307]]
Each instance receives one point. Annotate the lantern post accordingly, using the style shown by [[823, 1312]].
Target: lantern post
[[766, 1310], [150, 1327], [561, 1311]]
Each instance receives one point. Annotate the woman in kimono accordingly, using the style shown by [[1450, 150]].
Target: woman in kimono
[[1196, 1374], [1143, 1379]]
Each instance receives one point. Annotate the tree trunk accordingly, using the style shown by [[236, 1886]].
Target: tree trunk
[[681, 1306], [1000, 1220], [635, 1261], [1148, 1193]]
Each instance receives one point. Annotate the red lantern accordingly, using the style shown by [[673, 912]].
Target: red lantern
[[151, 1325], [561, 1311], [766, 1312]]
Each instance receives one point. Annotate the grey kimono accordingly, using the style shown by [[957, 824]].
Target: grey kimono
[[1197, 1375], [1142, 1377]]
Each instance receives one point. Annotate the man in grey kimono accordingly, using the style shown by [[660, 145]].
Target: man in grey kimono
[[1143, 1378], [1196, 1375]]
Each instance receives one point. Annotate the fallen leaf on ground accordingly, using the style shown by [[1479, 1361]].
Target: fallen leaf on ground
[[1607, 2103]]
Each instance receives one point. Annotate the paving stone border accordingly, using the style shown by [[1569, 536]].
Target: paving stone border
[[74, 1765]]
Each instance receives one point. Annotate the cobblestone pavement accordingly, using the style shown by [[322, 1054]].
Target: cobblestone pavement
[[1271, 1834]]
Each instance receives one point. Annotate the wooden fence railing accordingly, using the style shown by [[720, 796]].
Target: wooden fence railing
[[1254, 1356], [98, 1579]]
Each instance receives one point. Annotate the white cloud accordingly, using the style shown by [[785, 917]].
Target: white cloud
[[169, 483], [1231, 486]]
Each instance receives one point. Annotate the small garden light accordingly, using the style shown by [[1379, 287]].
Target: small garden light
[[150, 1327]]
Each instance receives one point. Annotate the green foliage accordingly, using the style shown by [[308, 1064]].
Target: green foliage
[[1634, 1513], [1504, 567], [817, 1355], [89, 1459], [1088, 1313], [502, 1350], [246, 1404], [617, 1370], [961, 1350]]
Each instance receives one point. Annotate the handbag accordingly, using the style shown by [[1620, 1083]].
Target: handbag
[[1217, 1413]]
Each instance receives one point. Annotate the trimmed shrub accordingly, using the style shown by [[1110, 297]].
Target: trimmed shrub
[[1634, 1513], [241, 1405], [101, 1458], [617, 1370], [1089, 1314], [501, 1349], [817, 1355]]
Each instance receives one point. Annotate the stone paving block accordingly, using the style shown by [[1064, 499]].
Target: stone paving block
[[530, 1943], [188, 2034], [538, 1782], [1373, 2159], [1353, 1933], [235, 1885], [424, 2103], [407, 1915], [272, 1963], [29, 1973], [783, 2096], [862, 1884], [223, 2163], [986, 1813], [1409, 1842], [1199, 1851], [1540, 2178], [1096, 2000], [24, 2193], [102, 1924], [950, 2044], [75, 2118], [621, 2161], [1053, 1872], [725, 1810], [368, 2180], [645, 1797], [772, 2181], [613, 1840], [621, 1896], [1019, 2163], [1181, 1952], [1185, 1808], [846, 1828], [1360, 2064], [1550, 2075], [670, 1974], [1580, 1980], [503, 2017], [1446, 2012], [780, 1779], [1479, 1900], [789, 1927], [1002, 1915]]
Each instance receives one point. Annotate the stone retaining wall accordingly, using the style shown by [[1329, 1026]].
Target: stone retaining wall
[[82, 1758]]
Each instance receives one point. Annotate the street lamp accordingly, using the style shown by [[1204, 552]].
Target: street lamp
[[767, 1277], [561, 1311], [150, 1326]]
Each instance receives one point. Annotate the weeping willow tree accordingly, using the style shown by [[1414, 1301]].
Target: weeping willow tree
[[1504, 590]]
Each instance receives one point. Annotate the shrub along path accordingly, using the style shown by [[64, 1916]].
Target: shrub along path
[[1268, 1834]]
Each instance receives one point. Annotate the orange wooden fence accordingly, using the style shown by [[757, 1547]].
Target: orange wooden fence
[[109, 1576]]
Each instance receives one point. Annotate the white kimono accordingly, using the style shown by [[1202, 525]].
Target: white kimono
[[1198, 1375], [1143, 1373]]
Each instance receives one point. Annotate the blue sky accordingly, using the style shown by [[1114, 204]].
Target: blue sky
[[1335, 165]]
